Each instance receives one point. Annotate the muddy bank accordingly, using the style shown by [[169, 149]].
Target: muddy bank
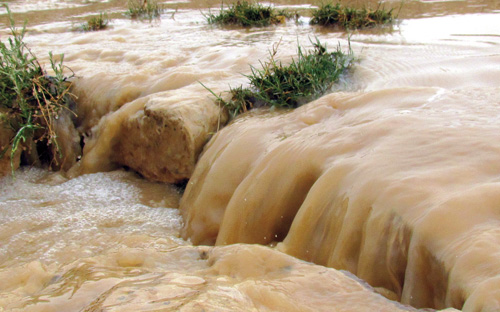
[[6, 135], [65, 154]]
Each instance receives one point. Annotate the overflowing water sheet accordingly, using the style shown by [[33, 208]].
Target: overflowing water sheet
[[387, 189]]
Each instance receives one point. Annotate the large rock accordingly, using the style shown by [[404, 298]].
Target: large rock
[[163, 140], [160, 136], [400, 187]]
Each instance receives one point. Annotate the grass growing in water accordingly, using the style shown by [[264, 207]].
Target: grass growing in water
[[350, 18], [96, 23], [248, 14], [144, 8], [30, 100], [308, 76]]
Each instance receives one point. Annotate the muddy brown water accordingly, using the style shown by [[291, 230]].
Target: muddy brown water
[[395, 178]]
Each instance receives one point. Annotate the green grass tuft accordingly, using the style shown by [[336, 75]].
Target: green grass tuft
[[350, 18], [96, 23], [30, 100], [308, 76], [248, 14], [144, 9]]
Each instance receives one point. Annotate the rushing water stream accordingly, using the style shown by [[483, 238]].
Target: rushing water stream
[[395, 179]]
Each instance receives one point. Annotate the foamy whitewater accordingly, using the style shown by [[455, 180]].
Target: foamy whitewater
[[383, 195]]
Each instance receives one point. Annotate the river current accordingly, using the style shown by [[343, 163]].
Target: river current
[[383, 195]]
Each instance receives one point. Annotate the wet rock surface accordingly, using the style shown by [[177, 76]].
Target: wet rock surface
[[159, 136], [163, 140]]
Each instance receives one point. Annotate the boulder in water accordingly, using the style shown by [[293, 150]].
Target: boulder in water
[[159, 136]]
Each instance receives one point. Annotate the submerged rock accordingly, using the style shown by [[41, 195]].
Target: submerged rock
[[399, 187]]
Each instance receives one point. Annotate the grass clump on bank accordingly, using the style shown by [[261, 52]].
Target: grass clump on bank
[[96, 23], [350, 18], [144, 9], [248, 14], [308, 76], [30, 99]]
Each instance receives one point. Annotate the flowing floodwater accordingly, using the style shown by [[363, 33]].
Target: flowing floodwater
[[394, 179]]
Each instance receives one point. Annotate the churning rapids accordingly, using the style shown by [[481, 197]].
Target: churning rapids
[[381, 196]]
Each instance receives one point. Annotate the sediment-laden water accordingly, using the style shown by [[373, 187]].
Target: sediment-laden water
[[393, 179]]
